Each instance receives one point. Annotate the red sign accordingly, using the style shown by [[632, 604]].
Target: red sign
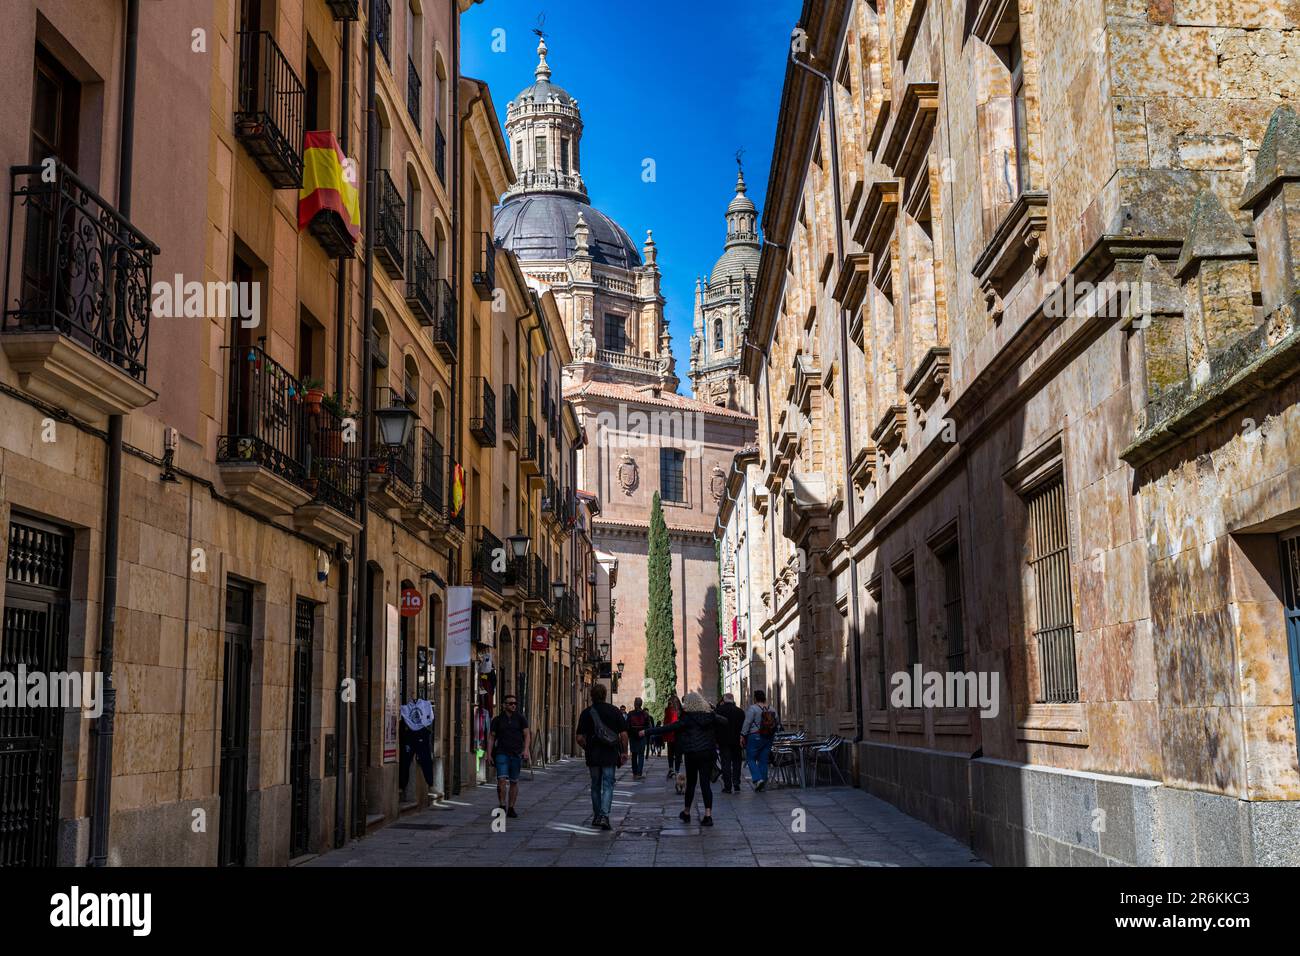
[[412, 602], [541, 639]]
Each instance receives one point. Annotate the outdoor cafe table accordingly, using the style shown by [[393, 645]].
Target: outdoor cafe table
[[801, 748]]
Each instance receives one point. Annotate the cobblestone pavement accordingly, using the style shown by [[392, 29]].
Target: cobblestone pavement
[[842, 827]]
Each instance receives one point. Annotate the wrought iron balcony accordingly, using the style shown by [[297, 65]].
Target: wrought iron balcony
[[421, 280], [566, 611], [413, 92], [433, 472], [86, 277], [510, 412], [485, 270], [400, 462], [272, 103], [382, 11], [334, 465], [265, 420], [487, 561], [537, 589], [550, 501], [444, 321], [440, 153], [528, 453], [483, 418], [390, 229]]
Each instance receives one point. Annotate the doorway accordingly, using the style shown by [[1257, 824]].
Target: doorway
[[300, 741], [35, 637], [1291, 597], [235, 699]]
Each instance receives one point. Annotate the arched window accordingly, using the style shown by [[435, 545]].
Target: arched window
[[411, 382], [717, 335]]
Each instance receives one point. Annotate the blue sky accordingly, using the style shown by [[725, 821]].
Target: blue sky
[[683, 83]]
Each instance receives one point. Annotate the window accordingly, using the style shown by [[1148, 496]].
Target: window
[[950, 562], [539, 152], [519, 155], [672, 481], [615, 333], [56, 102], [564, 154], [1017, 64], [882, 682], [717, 335], [908, 582], [1049, 565]]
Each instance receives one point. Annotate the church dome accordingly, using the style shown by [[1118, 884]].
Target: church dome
[[543, 91], [540, 226], [735, 261]]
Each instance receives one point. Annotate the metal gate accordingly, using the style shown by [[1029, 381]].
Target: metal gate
[[300, 742], [1291, 593], [235, 697], [35, 637]]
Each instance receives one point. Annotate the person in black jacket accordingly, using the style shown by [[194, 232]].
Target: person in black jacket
[[696, 729], [729, 743]]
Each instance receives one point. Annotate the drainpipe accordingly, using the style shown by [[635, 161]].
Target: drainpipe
[[101, 798], [340, 344], [855, 620], [362, 572]]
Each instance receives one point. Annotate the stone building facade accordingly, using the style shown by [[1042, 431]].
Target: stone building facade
[[640, 435], [1024, 375], [255, 714]]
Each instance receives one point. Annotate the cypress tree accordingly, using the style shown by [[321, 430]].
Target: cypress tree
[[660, 648]]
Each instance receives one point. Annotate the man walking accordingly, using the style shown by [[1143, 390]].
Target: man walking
[[756, 735], [602, 734], [508, 741], [729, 743], [638, 719]]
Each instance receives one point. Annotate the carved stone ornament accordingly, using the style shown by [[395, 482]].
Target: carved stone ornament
[[628, 475], [718, 483], [586, 339]]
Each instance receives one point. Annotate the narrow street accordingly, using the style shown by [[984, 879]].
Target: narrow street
[[842, 827]]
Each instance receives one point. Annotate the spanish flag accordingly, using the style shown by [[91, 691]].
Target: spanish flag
[[457, 489], [325, 184]]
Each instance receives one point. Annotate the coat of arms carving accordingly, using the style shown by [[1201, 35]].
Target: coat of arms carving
[[628, 475]]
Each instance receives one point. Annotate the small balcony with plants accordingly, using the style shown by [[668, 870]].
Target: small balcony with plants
[[269, 114], [333, 469]]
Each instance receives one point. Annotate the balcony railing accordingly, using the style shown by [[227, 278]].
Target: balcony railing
[[510, 412], [344, 9], [485, 270], [566, 611], [334, 466], [483, 420], [433, 472], [265, 418], [391, 225], [382, 11], [440, 153], [444, 319], [269, 120], [487, 562], [636, 363], [550, 502], [413, 92], [421, 279], [539, 582], [529, 451], [86, 272]]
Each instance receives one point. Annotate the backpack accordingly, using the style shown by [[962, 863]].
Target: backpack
[[767, 723], [600, 731]]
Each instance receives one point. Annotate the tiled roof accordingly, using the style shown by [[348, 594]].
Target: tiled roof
[[640, 394]]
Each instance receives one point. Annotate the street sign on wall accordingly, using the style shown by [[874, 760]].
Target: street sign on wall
[[412, 602], [541, 639]]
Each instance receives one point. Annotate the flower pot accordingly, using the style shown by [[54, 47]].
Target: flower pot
[[313, 397]]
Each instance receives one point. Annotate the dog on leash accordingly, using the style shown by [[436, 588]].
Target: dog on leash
[[681, 782]]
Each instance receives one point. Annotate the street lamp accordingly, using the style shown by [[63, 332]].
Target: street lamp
[[519, 543], [557, 591], [620, 668], [395, 424], [604, 649]]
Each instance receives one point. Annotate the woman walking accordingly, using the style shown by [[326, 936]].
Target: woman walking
[[696, 731], [672, 711]]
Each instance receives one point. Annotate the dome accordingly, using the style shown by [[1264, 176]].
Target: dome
[[543, 91], [736, 260], [540, 226]]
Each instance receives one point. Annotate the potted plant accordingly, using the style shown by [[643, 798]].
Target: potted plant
[[313, 394]]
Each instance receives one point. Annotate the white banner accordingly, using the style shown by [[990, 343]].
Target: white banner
[[392, 677], [459, 617]]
